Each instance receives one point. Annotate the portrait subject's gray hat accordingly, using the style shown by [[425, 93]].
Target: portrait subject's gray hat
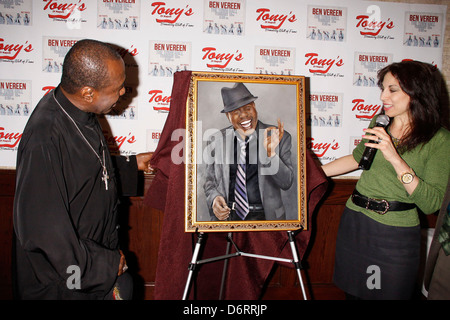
[[236, 97]]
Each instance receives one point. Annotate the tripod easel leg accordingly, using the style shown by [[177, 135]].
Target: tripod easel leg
[[225, 266], [296, 262], [193, 264]]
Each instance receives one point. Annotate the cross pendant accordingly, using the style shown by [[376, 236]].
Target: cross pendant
[[105, 178]]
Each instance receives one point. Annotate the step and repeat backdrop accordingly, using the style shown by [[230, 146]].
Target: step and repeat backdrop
[[338, 45]]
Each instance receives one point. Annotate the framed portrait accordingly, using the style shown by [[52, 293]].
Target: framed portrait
[[265, 115]]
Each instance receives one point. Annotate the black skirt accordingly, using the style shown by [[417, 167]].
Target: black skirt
[[376, 261]]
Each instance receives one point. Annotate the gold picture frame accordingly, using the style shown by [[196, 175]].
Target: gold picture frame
[[278, 96]]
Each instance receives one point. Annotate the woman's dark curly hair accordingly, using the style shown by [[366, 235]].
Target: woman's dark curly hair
[[428, 107]]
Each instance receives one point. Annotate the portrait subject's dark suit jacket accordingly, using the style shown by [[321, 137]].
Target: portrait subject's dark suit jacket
[[274, 174]]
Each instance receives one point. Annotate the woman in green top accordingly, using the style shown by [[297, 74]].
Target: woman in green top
[[378, 243]]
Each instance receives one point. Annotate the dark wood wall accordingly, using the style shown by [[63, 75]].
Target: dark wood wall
[[6, 208], [142, 229]]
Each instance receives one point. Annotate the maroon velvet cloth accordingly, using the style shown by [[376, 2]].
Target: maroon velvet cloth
[[246, 275]]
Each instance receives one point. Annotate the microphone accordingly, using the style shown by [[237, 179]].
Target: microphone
[[369, 153]]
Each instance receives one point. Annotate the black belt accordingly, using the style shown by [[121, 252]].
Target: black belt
[[251, 207], [380, 206]]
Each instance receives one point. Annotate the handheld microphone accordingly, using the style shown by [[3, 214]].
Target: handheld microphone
[[369, 153]]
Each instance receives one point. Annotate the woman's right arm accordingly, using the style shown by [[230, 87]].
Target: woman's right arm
[[340, 166]]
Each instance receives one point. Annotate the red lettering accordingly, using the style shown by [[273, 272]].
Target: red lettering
[[322, 63], [156, 135], [169, 15], [13, 137], [221, 59], [321, 148], [64, 10], [132, 52], [273, 19], [155, 96], [47, 89], [16, 48], [376, 26], [115, 143], [366, 111]]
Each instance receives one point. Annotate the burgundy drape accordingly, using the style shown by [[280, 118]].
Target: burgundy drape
[[246, 276]]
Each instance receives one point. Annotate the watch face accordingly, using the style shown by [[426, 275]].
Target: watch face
[[407, 178]]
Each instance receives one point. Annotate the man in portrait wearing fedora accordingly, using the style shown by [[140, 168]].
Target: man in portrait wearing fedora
[[250, 163]]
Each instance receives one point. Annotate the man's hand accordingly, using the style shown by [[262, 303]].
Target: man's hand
[[122, 264], [220, 208], [272, 140], [143, 162]]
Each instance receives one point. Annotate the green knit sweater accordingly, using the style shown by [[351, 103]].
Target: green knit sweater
[[430, 162]]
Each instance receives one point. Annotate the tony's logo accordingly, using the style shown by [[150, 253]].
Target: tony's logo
[[116, 142], [162, 101], [10, 51], [320, 65], [372, 27], [273, 21], [63, 10], [169, 15], [366, 111], [132, 51], [321, 148], [47, 89], [220, 60], [9, 139]]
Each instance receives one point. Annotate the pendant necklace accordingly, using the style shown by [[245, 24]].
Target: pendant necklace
[[105, 175]]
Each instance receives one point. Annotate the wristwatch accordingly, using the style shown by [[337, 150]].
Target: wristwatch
[[407, 177]]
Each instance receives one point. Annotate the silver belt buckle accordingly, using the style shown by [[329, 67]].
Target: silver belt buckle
[[386, 209]]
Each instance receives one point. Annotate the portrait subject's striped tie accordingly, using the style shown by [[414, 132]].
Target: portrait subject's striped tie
[[240, 194]]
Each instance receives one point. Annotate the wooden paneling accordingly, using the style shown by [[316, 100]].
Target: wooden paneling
[[141, 230], [318, 262], [7, 186]]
